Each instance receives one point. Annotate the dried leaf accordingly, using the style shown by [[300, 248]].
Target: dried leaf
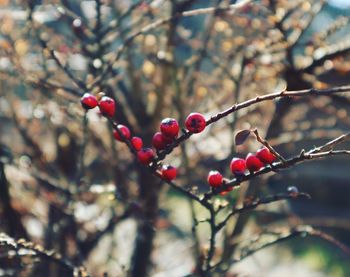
[[241, 136]]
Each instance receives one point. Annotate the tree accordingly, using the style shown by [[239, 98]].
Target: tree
[[252, 69]]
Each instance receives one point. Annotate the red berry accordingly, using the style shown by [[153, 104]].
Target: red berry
[[214, 178], [238, 166], [137, 143], [88, 101], [169, 172], [195, 122], [265, 155], [253, 163], [107, 106], [168, 140], [169, 127], [145, 155], [124, 130], [159, 141]]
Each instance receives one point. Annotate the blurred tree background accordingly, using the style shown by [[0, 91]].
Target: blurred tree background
[[68, 186]]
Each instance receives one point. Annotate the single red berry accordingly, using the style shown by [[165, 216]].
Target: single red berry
[[169, 172], [169, 127], [88, 101], [137, 143], [253, 163], [214, 178], [159, 141], [107, 106], [195, 122], [238, 166], [265, 155], [145, 155], [124, 130], [168, 140]]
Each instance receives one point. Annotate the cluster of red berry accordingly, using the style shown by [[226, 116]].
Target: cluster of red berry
[[169, 130], [105, 103], [239, 166]]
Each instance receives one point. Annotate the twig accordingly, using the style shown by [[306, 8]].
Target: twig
[[212, 243], [257, 202], [53, 55], [81, 165], [79, 83], [42, 253], [266, 143], [88, 245], [298, 231], [153, 170], [156, 24], [312, 154], [114, 24], [253, 101]]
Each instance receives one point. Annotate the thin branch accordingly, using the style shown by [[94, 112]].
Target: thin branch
[[298, 231], [79, 83], [212, 242], [52, 84], [260, 201], [300, 93], [44, 45], [152, 169], [114, 24], [327, 53], [230, 9], [81, 165], [42, 253], [88, 245], [266, 143], [315, 153]]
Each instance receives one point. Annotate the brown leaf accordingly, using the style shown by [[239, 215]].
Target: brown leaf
[[241, 136]]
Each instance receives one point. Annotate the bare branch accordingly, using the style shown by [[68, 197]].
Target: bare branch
[[254, 101], [231, 8], [315, 153], [298, 231], [266, 200], [42, 253], [266, 143]]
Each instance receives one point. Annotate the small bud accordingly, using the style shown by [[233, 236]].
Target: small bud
[[293, 191]]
